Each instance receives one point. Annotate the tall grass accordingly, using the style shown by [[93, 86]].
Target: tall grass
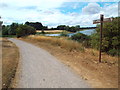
[[63, 43]]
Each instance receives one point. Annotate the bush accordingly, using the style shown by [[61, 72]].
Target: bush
[[113, 52], [84, 39], [24, 30], [64, 34], [110, 38]]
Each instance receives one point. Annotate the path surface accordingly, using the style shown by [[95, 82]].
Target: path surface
[[39, 69]]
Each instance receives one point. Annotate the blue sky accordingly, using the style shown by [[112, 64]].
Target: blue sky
[[57, 12]]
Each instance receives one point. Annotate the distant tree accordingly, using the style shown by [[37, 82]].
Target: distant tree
[[36, 25], [61, 27], [12, 29], [45, 28], [77, 26], [24, 30], [5, 29], [67, 28]]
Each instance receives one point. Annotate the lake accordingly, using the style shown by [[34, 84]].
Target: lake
[[86, 32]]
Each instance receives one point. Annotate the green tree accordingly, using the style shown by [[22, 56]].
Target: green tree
[[12, 29], [24, 30], [61, 27], [111, 35], [5, 29]]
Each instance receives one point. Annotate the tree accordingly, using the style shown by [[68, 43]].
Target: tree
[[111, 35], [36, 25], [5, 29], [45, 28], [61, 27], [24, 30], [12, 29]]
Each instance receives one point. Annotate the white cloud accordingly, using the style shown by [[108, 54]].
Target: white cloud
[[46, 12], [110, 10], [92, 0], [92, 8]]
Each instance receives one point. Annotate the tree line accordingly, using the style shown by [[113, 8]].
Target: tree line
[[18, 29]]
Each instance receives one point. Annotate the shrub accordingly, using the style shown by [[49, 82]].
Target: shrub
[[64, 34], [84, 39], [24, 30], [113, 52], [110, 38]]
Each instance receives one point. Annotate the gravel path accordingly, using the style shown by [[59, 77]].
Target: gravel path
[[39, 69]]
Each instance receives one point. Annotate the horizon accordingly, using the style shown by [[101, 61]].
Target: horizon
[[52, 13]]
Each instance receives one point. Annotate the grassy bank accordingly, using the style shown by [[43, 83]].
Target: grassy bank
[[84, 61], [10, 58], [52, 31]]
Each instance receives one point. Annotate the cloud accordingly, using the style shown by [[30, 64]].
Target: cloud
[[91, 8], [92, 0], [3, 5], [29, 7], [49, 13], [110, 10]]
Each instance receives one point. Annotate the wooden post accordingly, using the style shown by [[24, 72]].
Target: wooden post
[[101, 28], [101, 21]]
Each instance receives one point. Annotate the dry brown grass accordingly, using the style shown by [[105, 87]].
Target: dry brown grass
[[85, 63], [10, 57], [62, 42], [51, 31]]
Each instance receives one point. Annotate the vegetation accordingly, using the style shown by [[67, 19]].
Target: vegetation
[[10, 29], [10, 59], [36, 25], [82, 38], [24, 30], [110, 41], [69, 45], [18, 30], [67, 28], [111, 35], [65, 34]]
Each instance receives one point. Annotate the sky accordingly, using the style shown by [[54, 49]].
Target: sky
[[52, 13]]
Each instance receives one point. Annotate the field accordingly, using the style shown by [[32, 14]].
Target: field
[[52, 31], [10, 58], [84, 61]]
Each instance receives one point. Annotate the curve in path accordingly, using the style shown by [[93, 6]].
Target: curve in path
[[39, 69]]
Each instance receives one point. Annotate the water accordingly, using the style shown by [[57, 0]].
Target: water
[[52, 34], [86, 32]]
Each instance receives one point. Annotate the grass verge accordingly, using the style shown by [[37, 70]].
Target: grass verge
[[84, 61], [10, 58]]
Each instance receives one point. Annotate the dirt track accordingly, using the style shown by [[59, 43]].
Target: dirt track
[[39, 69]]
